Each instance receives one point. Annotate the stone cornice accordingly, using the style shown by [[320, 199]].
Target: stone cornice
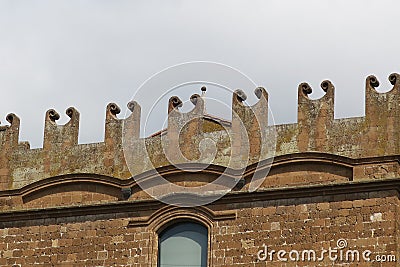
[[130, 207], [169, 172]]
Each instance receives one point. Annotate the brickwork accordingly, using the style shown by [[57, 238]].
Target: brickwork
[[70, 204], [316, 223], [365, 220]]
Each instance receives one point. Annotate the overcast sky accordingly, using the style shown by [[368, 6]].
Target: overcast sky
[[56, 54]]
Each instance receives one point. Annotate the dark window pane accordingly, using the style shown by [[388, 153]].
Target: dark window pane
[[183, 244]]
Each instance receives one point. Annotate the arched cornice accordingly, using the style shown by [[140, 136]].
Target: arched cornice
[[285, 163], [168, 215]]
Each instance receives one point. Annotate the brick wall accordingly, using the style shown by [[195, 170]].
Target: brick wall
[[364, 220], [70, 204]]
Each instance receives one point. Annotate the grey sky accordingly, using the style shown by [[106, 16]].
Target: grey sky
[[56, 54]]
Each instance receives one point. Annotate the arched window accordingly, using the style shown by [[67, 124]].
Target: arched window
[[183, 244]]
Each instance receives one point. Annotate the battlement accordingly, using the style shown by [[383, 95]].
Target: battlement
[[203, 138]]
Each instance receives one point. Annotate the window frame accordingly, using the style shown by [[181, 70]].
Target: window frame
[[174, 224], [174, 216]]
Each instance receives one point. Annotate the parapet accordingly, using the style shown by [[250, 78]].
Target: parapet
[[204, 138]]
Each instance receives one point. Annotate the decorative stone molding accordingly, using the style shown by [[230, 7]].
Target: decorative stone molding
[[317, 130]]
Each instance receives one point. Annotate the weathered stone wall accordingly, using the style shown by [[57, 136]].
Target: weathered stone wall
[[239, 143], [70, 204], [305, 224], [364, 220]]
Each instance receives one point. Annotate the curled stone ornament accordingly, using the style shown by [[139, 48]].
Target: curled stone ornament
[[191, 145]]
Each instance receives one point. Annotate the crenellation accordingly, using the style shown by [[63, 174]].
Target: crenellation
[[315, 118], [132, 122], [181, 140], [382, 111], [61, 136], [196, 136], [249, 127], [113, 125], [8, 143], [303, 189], [11, 132]]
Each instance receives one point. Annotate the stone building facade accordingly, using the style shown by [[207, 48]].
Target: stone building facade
[[283, 191]]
